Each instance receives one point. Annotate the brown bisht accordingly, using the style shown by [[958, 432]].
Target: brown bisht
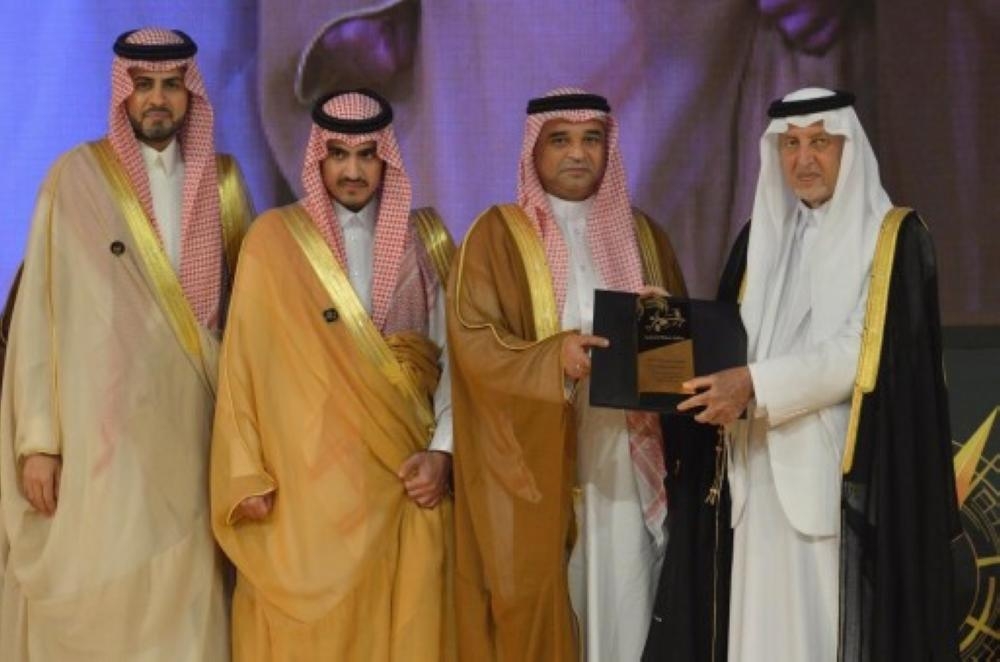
[[515, 441]]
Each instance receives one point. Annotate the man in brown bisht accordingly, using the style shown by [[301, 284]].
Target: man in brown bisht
[[533, 582], [331, 454], [110, 380]]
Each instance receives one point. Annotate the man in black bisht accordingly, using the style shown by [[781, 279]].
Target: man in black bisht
[[843, 496]]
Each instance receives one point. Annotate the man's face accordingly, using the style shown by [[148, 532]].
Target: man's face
[[810, 161], [158, 105], [352, 175], [570, 157]]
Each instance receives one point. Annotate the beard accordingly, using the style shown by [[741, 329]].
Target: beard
[[156, 131]]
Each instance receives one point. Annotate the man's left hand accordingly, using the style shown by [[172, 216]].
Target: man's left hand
[[724, 395], [425, 477]]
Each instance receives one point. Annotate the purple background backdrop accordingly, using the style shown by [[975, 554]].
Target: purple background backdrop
[[689, 79]]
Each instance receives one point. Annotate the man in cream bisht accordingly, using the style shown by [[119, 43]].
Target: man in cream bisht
[[823, 245], [529, 448], [331, 453], [110, 380]]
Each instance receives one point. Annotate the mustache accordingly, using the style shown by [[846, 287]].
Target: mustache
[[575, 165], [156, 109], [343, 181]]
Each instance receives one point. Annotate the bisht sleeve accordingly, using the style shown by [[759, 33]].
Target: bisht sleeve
[[238, 468]]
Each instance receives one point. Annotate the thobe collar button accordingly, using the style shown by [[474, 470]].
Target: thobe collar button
[[117, 247], [331, 315]]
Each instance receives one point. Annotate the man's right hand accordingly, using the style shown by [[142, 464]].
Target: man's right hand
[[576, 356], [255, 508], [40, 482]]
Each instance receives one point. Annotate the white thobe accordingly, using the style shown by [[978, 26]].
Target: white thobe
[[615, 563], [359, 249], [165, 169], [783, 604]]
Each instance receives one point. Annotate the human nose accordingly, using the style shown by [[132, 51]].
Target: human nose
[[806, 154], [351, 169], [575, 150], [156, 96]]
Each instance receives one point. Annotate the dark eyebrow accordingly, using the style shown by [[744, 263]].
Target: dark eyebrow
[[558, 134], [595, 132]]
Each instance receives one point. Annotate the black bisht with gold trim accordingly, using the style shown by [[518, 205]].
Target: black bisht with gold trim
[[899, 505]]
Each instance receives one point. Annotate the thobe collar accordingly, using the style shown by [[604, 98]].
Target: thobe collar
[[806, 212], [806, 220], [581, 276], [570, 211], [166, 160], [366, 216], [358, 231]]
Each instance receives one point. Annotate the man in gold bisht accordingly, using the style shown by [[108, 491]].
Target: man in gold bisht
[[110, 380], [528, 445], [331, 455]]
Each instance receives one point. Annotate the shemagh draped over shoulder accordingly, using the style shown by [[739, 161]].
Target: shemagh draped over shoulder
[[159, 50], [846, 238], [354, 118], [610, 229]]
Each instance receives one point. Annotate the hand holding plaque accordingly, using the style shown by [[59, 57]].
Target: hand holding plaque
[[658, 343]]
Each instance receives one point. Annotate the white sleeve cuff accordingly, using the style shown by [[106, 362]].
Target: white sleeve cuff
[[444, 438]]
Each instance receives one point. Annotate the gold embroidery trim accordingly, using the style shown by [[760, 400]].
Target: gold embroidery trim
[[436, 239], [165, 283], [647, 249], [536, 268], [459, 278], [359, 324], [235, 209], [458, 296], [874, 326]]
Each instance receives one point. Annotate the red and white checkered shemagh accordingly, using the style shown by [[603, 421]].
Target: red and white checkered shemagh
[[610, 229], [201, 230], [615, 249], [392, 223]]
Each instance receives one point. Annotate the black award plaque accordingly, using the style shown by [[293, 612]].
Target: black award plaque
[[658, 343]]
